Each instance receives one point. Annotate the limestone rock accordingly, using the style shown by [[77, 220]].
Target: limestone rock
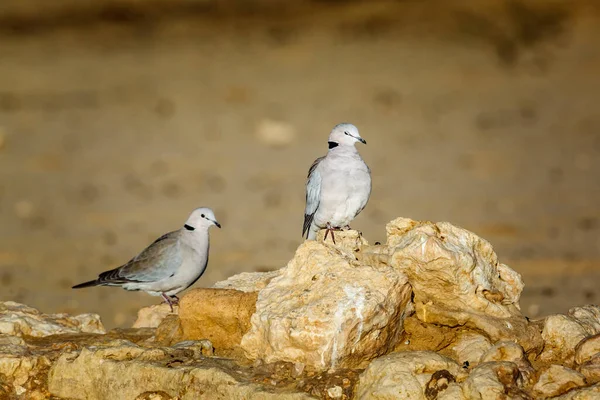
[[152, 316], [327, 309], [457, 280], [20, 368], [127, 371], [511, 351], [407, 375], [19, 320], [494, 380], [468, 347], [248, 281], [556, 380], [587, 349], [585, 393], [562, 333], [219, 315], [587, 358]]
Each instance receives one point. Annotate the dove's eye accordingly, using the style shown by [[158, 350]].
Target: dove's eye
[[202, 215], [347, 133]]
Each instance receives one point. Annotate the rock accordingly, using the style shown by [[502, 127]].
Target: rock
[[169, 331], [152, 316], [587, 358], [327, 309], [335, 392], [556, 380], [511, 351], [421, 336], [562, 333], [219, 315], [275, 133], [586, 349], [407, 375], [248, 281], [468, 348], [19, 368], [586, 393], [458, 281], [494, 380], [126, 371], [19, 320]]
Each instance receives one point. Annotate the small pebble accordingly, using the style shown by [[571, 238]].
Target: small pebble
[[335, 392]]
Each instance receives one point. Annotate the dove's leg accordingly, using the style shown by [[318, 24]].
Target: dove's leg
[[167, 300], [174, 299], [330, 228]]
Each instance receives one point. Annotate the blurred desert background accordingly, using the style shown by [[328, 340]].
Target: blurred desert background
[[117, 118]]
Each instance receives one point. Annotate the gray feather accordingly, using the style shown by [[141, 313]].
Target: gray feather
[[158, 261], [313, 191]]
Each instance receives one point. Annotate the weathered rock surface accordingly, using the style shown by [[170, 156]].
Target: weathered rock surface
[[407, 375], [495, 380], [327, 309], [18, 320], [457, 280], [126, 371], [556, 380], [563, 332], [152, 316], [468, 348], [512, 352], [248, 281], [219, 315], [587, 358]]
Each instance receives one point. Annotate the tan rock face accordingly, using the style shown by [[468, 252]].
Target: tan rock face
[[586, 393], [562, 333], [152, 316], [219, 315], [469, 347], [494, 380], [408, 375], [127, 371], [248, 281], [457, 280], [556, 380], [587, 358], [512, 352], [18, 320], [326, 309]]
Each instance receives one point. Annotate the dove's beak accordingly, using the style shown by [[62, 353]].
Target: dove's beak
[[217, 224], [363, 141]]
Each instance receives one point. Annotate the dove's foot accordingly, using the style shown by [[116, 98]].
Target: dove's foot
[[347, 228], [170, 300], [330, 229]]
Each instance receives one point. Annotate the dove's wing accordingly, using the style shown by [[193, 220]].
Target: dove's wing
[[313, 192], [158, 261]]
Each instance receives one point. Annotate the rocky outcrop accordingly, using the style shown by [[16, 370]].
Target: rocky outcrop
[[408, 375], [431, 314], [328, 309], [19, 320], [125, 371]]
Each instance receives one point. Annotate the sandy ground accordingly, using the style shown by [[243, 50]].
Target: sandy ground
[[110, 134]]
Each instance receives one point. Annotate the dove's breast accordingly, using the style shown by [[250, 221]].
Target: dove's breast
[[345, 190]]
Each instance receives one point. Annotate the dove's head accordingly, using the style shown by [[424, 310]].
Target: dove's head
[[201, 218], [345, 135]]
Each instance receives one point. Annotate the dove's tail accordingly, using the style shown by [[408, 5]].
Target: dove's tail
[[95, 282]]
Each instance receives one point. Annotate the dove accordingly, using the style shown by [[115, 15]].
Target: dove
[[171, 264], [338, 186]]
